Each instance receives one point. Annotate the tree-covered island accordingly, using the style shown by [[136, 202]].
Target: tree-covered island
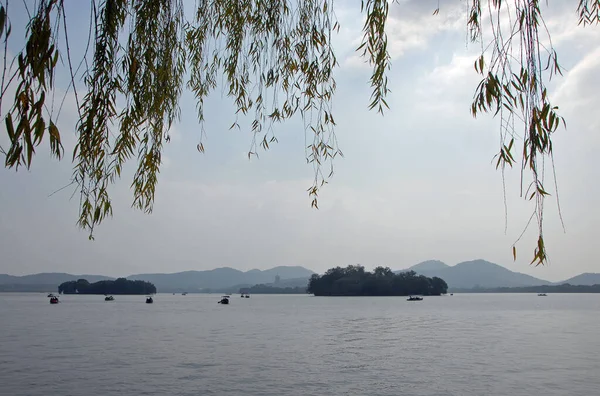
[[355, 281], [118, 286]]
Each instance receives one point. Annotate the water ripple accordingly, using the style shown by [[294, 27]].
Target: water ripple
[[298, 345]]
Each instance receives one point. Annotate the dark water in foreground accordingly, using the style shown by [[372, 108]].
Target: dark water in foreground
[[300, 345]]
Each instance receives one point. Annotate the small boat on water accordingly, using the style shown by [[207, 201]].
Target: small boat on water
[[411, 298], [542, 295], [149, 300], [50, 295], [224, 300], [247, 296], [184, 294], [54, 300], [109, 298]]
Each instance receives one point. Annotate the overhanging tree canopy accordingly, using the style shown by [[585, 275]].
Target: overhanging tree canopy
[[277, 60]]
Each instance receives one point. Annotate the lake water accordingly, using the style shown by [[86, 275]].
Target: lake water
[[469, 344]]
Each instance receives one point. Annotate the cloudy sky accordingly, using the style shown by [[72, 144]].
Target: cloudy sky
[[416, 184]]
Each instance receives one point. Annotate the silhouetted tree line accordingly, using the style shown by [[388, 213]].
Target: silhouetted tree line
[[118, 286], [355, 281], [265, 289]]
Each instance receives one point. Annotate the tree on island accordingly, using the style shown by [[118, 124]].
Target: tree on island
[[118, 286], [276, 60], [355, 281]]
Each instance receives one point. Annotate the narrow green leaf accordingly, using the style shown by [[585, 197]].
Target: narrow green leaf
[[2, 19], [10, 127]]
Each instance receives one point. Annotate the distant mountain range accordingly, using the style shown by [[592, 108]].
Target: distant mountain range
[[191, 281], [48, 278], [475, 274], [465, 275], [221, 278], [483, 274], [43, 282], [586, 279]]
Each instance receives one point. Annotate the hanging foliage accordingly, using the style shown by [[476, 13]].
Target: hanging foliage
[[275, 59]]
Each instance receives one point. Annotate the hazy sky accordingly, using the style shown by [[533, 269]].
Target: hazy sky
[[416, 184]]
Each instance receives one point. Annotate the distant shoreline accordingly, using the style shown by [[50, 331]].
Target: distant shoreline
[[504, 290], [564, 288]]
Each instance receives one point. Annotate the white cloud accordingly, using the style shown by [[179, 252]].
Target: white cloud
[[563, 24], [580, 87], [578, 96], [410, 26], [449, 87]]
